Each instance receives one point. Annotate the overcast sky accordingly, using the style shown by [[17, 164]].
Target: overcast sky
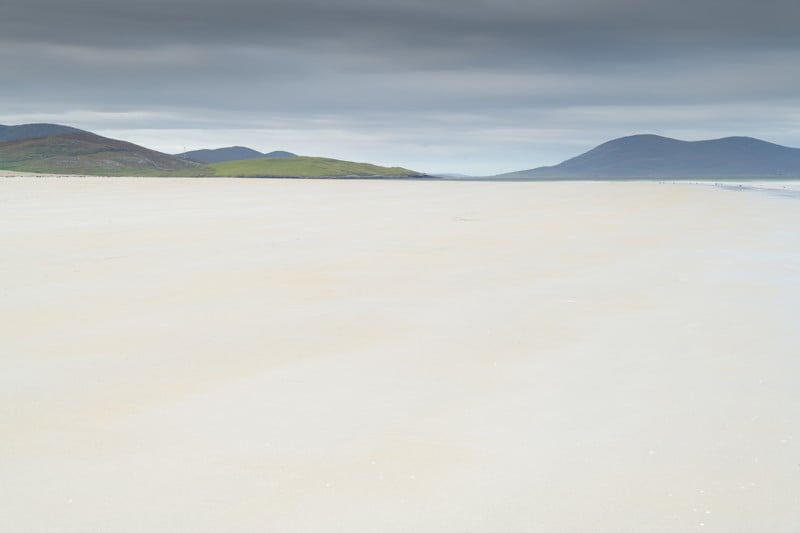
[[470, 86]]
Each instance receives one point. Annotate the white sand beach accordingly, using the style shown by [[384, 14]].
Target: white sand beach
[[293, 356], [15, 174]]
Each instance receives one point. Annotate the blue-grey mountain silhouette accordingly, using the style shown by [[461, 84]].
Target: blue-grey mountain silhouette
[[653, 156], [231, 153]]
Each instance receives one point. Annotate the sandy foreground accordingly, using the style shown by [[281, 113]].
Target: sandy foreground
[[14, 174], [204, 355]]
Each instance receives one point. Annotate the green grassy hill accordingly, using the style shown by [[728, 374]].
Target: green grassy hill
[[305, 167], [79, 152], [87, 153]]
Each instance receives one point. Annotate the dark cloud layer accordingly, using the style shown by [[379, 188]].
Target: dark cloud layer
[[431, 82]]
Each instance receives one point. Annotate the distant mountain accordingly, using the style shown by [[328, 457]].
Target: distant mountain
[[307, 167], [279, 154], [33, 131], [653, 156], [231, 153], [87, 153]]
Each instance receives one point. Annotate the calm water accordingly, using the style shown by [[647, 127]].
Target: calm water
[[782, 188]]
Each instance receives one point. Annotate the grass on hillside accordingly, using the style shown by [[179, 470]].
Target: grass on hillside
[[89, 154], [310, 167], [89, 167]]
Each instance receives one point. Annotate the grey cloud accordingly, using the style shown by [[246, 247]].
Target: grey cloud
[[506, 71], [547, 23]]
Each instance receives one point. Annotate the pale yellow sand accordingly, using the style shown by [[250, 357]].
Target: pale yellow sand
[[14, 173], [364, 356]]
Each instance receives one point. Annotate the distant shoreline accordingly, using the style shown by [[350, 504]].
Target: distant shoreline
[[430, 177]]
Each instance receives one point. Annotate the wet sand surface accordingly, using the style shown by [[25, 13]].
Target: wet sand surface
[[363, 356]]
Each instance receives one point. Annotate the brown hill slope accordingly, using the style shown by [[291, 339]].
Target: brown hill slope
[[87, 153]]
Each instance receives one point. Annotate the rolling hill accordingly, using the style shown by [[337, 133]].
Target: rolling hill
[[54, 149], [653, 156], [231, 153], [33, 131], [307, 167], [87, 153]]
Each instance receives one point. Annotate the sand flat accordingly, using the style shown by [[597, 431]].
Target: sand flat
[[364, 356]]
